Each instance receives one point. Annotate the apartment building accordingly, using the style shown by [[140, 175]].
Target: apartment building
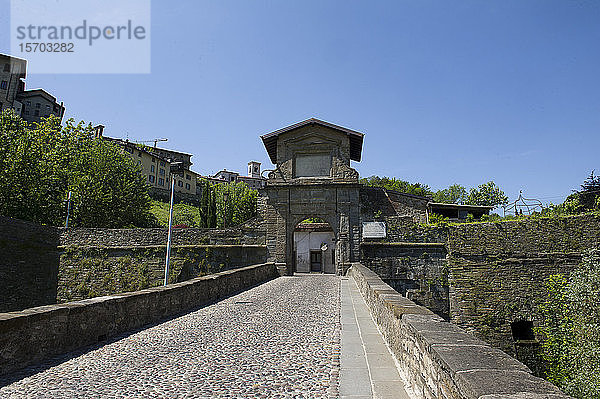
[[31, 105], [155, 167]]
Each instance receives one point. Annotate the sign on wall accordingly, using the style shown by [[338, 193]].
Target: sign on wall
[[373, 230]]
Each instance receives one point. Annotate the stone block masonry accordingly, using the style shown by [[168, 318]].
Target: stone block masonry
[[497, 271], [35, 334], [28, 264], [440, 360], [41, 265]]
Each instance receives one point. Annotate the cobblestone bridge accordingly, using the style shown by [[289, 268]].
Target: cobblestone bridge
[[307, 336]]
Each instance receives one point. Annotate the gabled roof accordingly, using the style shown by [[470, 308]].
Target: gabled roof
[[356, 138]]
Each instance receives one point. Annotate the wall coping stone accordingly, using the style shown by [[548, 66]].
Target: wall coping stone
[[62, 247], [403, 244], [449, 362]]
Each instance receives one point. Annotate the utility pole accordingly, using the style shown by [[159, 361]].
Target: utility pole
[[175, 168]]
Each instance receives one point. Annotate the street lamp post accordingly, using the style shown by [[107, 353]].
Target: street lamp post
[[225, 198], [176, 168], [68, 209]]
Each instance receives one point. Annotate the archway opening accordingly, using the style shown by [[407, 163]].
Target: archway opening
[[314, 249]]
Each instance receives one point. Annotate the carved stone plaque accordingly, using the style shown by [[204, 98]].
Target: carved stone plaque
[[313, 165], [373, 230]]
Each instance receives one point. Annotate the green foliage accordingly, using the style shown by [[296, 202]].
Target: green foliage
[[493, 217], [487, 194], [182, 214], [391, 183], [454, 194], [39, 164], [571, 329], [239, 207], [435, 218], [213, 211]]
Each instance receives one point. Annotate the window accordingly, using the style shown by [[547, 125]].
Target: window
[[162, 163], [151, 179], [188, 177], [28, 102], [161, 172], [180, 183], [37, 112], [161, 181], [26, 112], [153, 160], [152, 167], [6, 67], [47, 107], [187, 186], [38, 105], [4, 85]]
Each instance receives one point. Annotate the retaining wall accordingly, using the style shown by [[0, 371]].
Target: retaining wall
[[35, 334], [439, 359], [28, 264], [497, 271]]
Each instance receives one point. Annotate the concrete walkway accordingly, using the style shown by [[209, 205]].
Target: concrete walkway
[[368, 369]]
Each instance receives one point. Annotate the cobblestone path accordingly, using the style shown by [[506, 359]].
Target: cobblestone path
[[277, 340]]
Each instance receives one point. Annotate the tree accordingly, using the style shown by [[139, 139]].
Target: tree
[[487, 194], [571, 332], [41, 163], [402, 186], [240, 205], [590, 192], [454, 194]]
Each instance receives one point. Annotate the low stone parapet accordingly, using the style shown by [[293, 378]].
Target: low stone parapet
[[32, 335], [440, 360]]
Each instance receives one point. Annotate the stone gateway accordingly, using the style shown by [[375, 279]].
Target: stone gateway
[[312, 179]]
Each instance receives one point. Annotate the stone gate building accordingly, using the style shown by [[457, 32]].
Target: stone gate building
[[312, 179]]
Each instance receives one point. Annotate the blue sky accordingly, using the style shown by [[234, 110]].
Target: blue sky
[[445, 91]]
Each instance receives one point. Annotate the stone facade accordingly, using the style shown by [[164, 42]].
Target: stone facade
[[295, 192]]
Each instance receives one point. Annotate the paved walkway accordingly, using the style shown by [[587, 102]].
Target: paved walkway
[[368, 369], [278, 340]]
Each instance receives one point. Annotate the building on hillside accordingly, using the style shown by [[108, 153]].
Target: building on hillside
[[12, 74], [458, 213], [252, 180], [31, 105], [38, 104], [155, 167]]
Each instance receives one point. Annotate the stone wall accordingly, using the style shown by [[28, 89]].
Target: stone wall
[[41, 265], [377, 202], [28, 264], [87, 272], [497, 272], [416, 270], [440, 360], [89, 237], [36, 334]]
